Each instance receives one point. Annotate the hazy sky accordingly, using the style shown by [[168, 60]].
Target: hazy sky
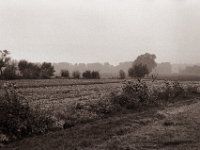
[[100, 30]]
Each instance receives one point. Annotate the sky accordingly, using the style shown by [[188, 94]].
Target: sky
[[100, 30]]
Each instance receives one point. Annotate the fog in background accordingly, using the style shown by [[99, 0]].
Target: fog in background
[[100, 30]]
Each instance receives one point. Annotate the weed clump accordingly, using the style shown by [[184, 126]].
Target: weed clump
[[17, 118], [138, 93], [133, 94]]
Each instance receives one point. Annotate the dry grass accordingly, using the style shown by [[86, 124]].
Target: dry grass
[[78, 106]]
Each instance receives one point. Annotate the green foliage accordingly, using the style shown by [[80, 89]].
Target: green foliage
[[138, 71]]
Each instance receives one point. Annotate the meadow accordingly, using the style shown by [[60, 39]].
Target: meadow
[[101, 113]]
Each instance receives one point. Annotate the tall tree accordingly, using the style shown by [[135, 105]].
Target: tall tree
[[9, 72], [146, 59], [143, 65], [4, 60], [138, 71], [47, 70], [29, 70], [122, 74]]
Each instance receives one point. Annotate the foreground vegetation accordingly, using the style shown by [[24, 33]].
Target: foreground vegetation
[[42, 109]]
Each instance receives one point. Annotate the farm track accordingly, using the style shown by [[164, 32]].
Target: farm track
[[175, 126]]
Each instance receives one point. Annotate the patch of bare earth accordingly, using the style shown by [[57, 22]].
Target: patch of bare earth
[[175, 127]]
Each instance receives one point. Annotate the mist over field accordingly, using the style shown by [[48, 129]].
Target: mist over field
[[99, 74], [90, 31]]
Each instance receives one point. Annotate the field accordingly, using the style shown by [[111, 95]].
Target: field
[[171, 125]]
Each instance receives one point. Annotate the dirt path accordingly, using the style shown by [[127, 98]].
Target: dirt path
[[175, 127]]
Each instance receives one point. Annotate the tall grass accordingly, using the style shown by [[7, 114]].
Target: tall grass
[[17, 118]]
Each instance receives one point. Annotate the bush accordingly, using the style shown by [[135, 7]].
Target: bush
[[29, 70], [91, 75], [133, 94], [172, 90], [137, 93], [9, 73], [122, 74], [76, 75], [95, 75], [17, 118], [47, 70], [65, 73], [138, 71], [87, 74]]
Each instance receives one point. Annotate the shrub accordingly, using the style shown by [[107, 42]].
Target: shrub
[[133, 94], [137, 93], [91, 74], [172, 90], [47, 70], [122, 74], [29, 70], [9, 72], [17, 118], [104, 106], [65, 73], [138, 71], [95, 75], [87, 74], [76, 75]]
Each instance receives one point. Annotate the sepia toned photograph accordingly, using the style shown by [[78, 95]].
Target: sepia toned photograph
[[99, 75]]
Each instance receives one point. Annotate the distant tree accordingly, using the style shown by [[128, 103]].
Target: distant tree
[[76, 74], [146, 59], [47, 70], [23, 68], [22, 65], [65, 73], [34, 71], [91, 74], [138, 71], [29, 70], [4, 61], [95, 75], [87, 74], [9, 72], [122, 74]]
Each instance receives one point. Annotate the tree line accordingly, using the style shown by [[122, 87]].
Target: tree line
[[77, 75], [10, 69], [142, 66]]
